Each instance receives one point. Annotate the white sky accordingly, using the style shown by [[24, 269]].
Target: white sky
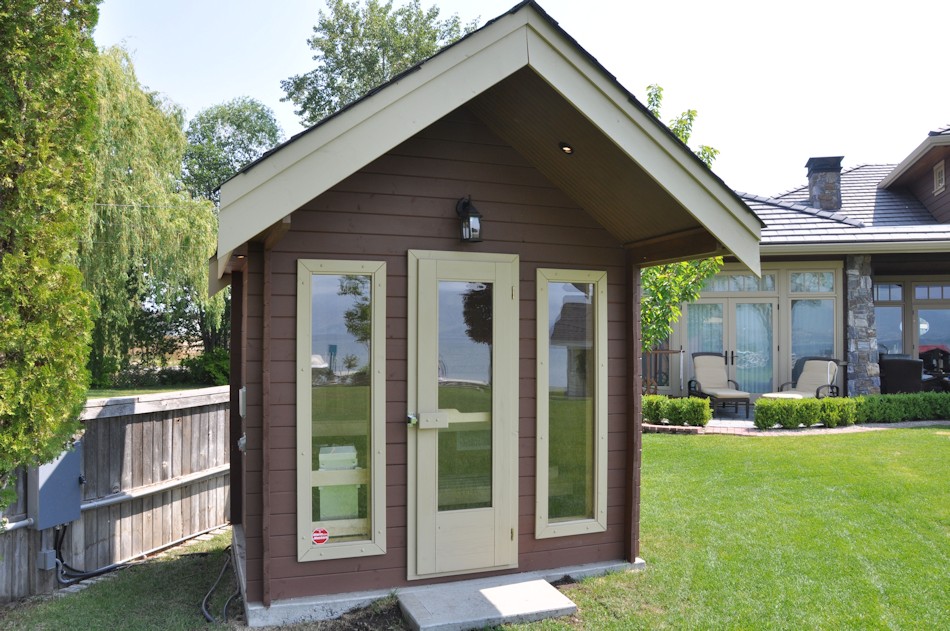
[[774, 83]]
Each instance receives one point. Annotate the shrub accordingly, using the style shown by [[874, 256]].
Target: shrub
[[892, 408], [212, 367], [653, 407], [692, 411], [794, 413]]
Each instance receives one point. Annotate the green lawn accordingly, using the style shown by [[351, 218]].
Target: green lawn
[[847, 531], [102, 393], [164, 593]]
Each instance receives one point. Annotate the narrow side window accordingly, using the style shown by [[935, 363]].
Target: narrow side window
[[571, 403], [341, 489]]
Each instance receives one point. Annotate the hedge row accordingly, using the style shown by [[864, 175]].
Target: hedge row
[[792, 413], [689, 411], [831, 412]]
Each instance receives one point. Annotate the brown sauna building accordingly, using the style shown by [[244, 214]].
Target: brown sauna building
[[435, 348]]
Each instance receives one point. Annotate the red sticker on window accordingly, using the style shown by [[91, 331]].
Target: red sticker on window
[[320, 535]]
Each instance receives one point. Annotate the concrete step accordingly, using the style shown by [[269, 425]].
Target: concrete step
[[480, 603]]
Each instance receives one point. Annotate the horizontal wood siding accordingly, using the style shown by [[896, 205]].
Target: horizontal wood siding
[[157, 464], [406, 200], [923, 189]]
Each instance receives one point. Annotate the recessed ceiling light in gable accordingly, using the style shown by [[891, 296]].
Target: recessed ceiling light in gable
[[566, 148]]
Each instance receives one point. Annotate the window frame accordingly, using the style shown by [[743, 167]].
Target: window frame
[[376, 503], [940, 177], [544, 528]]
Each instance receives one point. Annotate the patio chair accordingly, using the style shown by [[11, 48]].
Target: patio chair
[[901, 375], [712, 382], [815, 379], [936, 360]]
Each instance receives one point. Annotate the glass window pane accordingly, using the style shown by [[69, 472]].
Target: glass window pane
[[340, 380], [704, 329], [888, 292], [754, 354], [934, 329], [813, 329], [465, 384], [571, 390], [465, 346], [812, 282], [888, 320]]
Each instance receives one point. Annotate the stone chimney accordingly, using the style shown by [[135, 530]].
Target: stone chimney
[[824, 182]]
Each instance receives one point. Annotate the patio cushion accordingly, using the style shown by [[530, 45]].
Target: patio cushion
[[787, 394], [725, 393], [711, 372], [815, 374]]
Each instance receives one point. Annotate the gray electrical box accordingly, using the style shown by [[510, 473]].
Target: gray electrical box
[[54, 490]]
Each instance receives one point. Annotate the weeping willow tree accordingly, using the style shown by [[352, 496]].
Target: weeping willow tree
[[144, 251]]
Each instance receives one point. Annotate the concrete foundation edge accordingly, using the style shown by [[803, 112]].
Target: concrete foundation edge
[[316, 608]]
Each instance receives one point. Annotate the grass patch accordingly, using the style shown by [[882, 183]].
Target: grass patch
[[814, 532], [845, 531], [164, 593], [103, 393]]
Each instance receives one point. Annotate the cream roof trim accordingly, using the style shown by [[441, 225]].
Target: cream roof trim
[[940, 140], [338, 147]]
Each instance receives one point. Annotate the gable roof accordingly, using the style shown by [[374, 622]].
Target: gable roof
[[628, 171], [935, 147], [871, 219]]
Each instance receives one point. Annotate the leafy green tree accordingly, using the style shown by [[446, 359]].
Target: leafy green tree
[[361, 47], [666, 287], [47, 122], [145, 248], [224, 138]]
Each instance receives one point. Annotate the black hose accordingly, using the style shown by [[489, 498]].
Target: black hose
[[204, 601], [227, 603]]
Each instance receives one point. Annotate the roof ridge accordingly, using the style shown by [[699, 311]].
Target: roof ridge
[[817, 212]]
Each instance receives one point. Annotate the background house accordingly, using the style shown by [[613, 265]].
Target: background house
[[854, 263], [444, 444]]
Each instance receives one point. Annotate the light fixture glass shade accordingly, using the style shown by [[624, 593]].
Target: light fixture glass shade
[[472, 228], [471, 220]]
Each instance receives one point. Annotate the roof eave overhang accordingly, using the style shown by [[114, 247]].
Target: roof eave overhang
[[861, 247], [259, 197], [931, 142]]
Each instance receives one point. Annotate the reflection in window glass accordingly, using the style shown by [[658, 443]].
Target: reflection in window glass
[[340, 380], [934, 329], [888, 320], [741, 283], [813, 328], [932, 292], [888, 292], [812, 282], [571, 401], [465, 384], [704, 329]]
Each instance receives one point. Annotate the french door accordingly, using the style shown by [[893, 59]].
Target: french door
[[463, 393], [743, 329]]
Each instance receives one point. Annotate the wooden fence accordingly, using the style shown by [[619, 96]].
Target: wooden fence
[[156, 472]]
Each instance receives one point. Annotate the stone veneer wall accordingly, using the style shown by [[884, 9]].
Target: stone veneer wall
[[864, 376]]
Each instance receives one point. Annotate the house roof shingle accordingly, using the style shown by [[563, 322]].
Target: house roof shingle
[[869, 215]]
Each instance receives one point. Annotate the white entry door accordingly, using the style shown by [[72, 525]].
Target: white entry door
[[463, 403]]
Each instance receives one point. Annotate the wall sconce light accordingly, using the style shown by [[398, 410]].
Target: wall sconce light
[[470, 218]]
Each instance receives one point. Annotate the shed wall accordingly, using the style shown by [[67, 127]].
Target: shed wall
[[406, 200]]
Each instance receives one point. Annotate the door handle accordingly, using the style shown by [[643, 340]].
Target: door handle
[[432, 420]]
